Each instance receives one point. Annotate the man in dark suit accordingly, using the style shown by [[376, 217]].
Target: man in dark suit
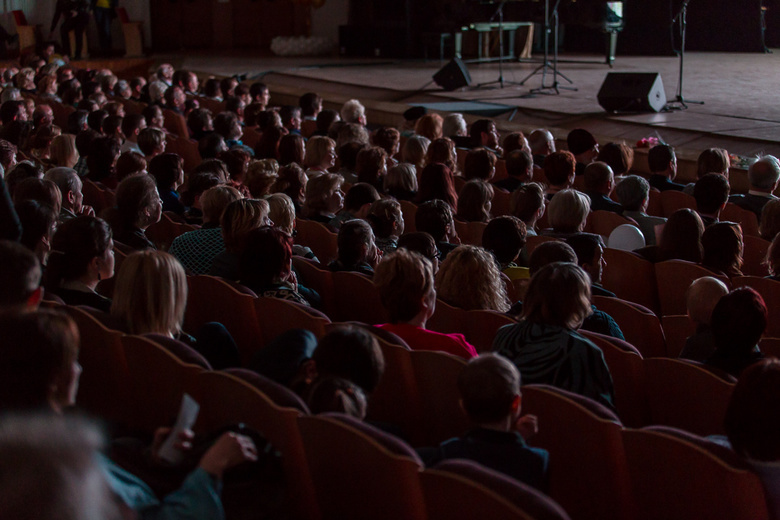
[[599, 182], [663, 168], [763, 175]]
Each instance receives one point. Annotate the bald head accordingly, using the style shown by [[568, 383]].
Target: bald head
[[702, 296], [541, 142]]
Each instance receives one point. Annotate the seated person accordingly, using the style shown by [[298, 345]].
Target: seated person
[[38, 221], [599, 182], [337, 395], [83, 256], [20, 278], [753, 428], [371, 166], [486, 287], [589, 249], [567, 212], [529, 205], [168, 170], [357, 249], [663, 168], [519, 170], [324, 198], [738, 321], [47, 343], [282, 213], [405, 284], [559, 169], [634, 194], [542, 144], [435, 218], [357, 204], [266, 265], [711, 193], [722, 247], [138, 206], [618, 156], [711, 160], [475, 201], [484, 133], [70, 185], [423, 244], [239, 218], [489, 388], [545, 346], [197, 249], [701, 298], [480, 164], [505, 237], [401, 182], [584, 147], [387, 221], [764, 176]]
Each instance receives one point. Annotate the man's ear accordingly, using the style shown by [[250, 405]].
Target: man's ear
[[71, 196], [517, 403], [35, 298]]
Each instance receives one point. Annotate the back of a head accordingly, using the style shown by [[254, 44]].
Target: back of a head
[[485, 289], [39, 350], [764, 173], [585, 246], [702, 296], [527, 200], [619, 157], [20, 276], [359, 195], [353, 240], [150, 293], [489, 385], [479, 127], [632, 192], [597, 176], [418, 242], [239, 218], [580, 141], [337, 395], [752, 422], [738, 321], [659, 157], [433, 217], [681, 238], [559, 168], [713, 160], [48, 469], [480, 164], [539, 140], [519, 163], [711, 192], [214, 201], [265, 258], [722, 248], [403, 279], [558, 295], [350, 353], [568, 211], [550, 252], [505, 237]]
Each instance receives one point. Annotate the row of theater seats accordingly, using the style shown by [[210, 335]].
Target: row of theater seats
[[337, 467]]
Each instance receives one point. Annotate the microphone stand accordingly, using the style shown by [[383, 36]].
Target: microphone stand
[[500, 13], [555, 86], [679, 102]]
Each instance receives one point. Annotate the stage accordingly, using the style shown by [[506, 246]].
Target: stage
[[740, 113]]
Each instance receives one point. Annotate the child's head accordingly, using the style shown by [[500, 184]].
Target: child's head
[[489, 388]]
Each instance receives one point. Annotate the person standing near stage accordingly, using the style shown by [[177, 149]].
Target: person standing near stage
[[75, 14], [104, 13]]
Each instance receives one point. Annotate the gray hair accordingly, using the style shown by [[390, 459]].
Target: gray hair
[[454, 124], [632, 191], [764, 173]]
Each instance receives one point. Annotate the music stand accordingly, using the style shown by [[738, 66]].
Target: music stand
[[500, 13], [679, 102], [556, 86]]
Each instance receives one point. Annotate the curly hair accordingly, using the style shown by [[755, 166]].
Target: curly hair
[[485, 290]]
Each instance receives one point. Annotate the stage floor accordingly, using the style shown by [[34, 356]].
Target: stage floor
[[740, 112]]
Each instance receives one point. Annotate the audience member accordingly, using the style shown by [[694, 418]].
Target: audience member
[[519, 170], [633, 192], [764, 176], [599, 183], [239, 218], [401, 182], [738, 321], [559, 168], [435, 218], [584, 147], [663, 168], [722, 249], [357, 249], [567, 213], [701, 298], [485, 289], [387, 221], [475, 201]]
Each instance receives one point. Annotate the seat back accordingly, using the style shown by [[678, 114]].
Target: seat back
[[625, 364], [357, 299], [470, 232], [99, 197], [676, 475], [319, 238], [316, 276], [164, 232], [588, 472], [640, 326], [755, 249], [674, 277], [185, 148], [447, 319], [227, 399], [630, 277], [408, 210], [123, 17], [672, 200], [677, 328], [105, 379], [745, 218], [212, 299], [276, 316], [308, 128], [175, 123], [158, 379], [436, 374], [361, 472], [532, 242], [686, 395], [481, 327], [462, 490], [502, 202], [770, 292], [603, 222], [654, 206]]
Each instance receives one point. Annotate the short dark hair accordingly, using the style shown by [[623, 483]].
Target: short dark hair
[[505, 237], [348, 154], [353, 235], [309, 103], [580, 141], [360, 194], [102, 156], [488, 386], [478, 127], [20, 275], [518, 162], [559, 166], [351, 353], [325, 119], [256, 89], [165, 170], [287, 112], [711, 191], [76, 121], [550, 252], [266, 257], [433, 217], [480, 163], [585, 246], [659, 157], [95, 120], [131, 123]]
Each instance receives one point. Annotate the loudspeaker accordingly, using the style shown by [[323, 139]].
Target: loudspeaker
[[453, 75], [632, 92]]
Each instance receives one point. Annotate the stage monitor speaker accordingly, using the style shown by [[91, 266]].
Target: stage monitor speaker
[[453, 75], [632, 92]]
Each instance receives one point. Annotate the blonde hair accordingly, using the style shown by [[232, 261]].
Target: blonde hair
[[260, 176], [317, 150], [63, 150], [318, 190], [150, 293], [403, 278], [282, 212], [215, 199], [485, 289], [239, 218], [430, 126], [568, 210], [402, 176], [558, 295], [414, 151]]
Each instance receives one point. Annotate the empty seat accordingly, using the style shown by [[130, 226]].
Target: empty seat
[[640, 326], [673, 278], [677, 328], [319, 238], [630, 277]]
